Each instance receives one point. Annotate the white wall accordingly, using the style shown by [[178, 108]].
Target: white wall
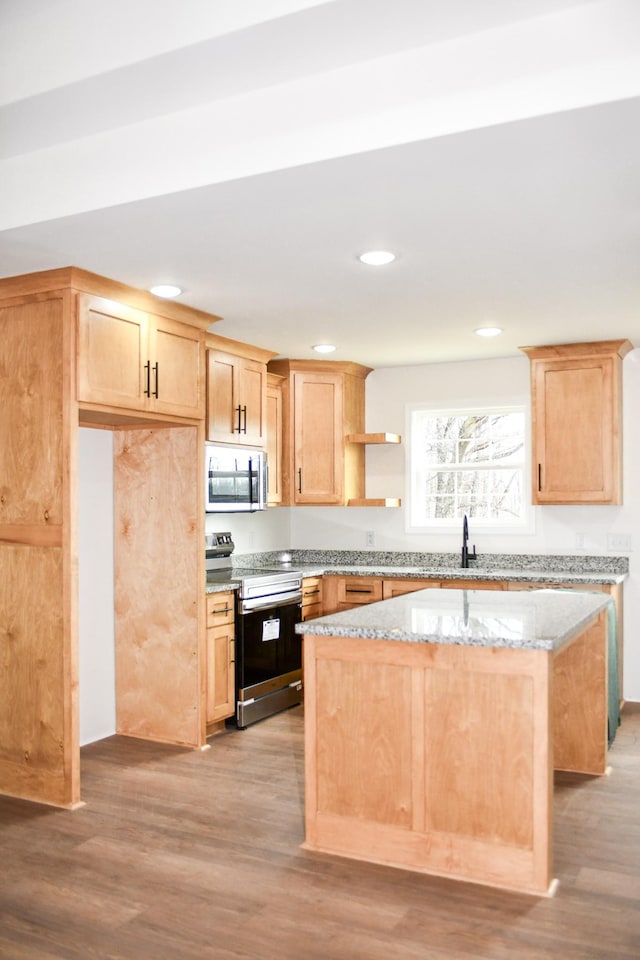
[[96, 592], [390, 390], [254, 532]]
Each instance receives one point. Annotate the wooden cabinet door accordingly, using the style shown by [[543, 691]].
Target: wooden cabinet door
[[223, 420], [574, 431], [311, 598], [112, 353], [220, 662], [576, 394], [236, 399], [128, 358], [220, 672], [318, 438], [273, 439], [251, 377], [176, 355]]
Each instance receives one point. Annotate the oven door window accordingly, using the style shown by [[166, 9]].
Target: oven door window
[[269, 645]]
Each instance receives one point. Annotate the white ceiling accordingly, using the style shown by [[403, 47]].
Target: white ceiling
[[250, 152]]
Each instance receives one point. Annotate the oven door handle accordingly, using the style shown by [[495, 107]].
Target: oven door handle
[[257, 605]]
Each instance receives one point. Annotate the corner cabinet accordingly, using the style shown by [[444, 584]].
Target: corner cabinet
[[576, 398], [236, 392], [138, 360], [322, 402]]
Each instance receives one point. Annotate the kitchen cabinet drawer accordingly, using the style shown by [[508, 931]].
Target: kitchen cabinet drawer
[[311, 590], [355, 590], [473, 585], [220, 608], [396, 587], [311, 610]]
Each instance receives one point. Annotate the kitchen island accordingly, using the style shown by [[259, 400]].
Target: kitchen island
[[434, 721]]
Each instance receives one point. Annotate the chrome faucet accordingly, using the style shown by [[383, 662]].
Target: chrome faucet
[[466, 556]]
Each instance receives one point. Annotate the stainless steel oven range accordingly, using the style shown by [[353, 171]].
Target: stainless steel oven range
[[268, 652]]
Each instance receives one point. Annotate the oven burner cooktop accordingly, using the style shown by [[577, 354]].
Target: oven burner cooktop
[[237, 574]]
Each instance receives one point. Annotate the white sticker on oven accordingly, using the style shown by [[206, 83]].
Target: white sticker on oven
[[271, 629]]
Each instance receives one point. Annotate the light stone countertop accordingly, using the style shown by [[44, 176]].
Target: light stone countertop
[[461, 573], [529, 620], [499, 568]]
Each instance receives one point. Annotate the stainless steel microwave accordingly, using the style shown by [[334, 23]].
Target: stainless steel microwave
[[235, 479]]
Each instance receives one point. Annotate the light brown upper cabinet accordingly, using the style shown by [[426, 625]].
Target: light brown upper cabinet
[[138, 360], [322, 402], [274, 439], [236, 392], [576, 401]]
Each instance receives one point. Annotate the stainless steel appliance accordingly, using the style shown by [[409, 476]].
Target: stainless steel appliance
[[268, 651], [235, 479]]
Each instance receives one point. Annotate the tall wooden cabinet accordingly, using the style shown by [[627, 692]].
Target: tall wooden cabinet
[[236, 392], [576, 391], [322, 403], [58, 372]]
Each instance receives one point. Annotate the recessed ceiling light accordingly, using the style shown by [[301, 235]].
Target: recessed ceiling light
[[377, 258], [166, 290], [489, 331], [324, 348]]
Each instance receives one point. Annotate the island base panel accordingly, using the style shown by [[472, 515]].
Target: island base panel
[[433, 758]]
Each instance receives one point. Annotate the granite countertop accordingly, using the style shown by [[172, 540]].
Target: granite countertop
[[520, 568], [461, 573], [531, 620]]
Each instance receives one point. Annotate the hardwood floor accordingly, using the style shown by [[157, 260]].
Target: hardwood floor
[[186, 855]]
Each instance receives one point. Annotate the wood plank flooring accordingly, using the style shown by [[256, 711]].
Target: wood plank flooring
[[189, 855]]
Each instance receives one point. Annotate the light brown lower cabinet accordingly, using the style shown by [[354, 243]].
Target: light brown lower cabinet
[[220, 660], [346, 592], [311, 598]]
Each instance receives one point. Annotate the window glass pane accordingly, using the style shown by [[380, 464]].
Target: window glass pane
[[469, 463]]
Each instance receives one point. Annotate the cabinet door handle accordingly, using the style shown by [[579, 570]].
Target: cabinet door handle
[[155, 370], [299, 479], [147, 370], [238, 429], [244, 414], [539, 477]]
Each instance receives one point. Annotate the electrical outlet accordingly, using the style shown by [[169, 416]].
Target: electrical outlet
[[370, 538], [620, 542]]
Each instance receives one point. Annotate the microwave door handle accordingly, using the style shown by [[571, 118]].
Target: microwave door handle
[[250, 482]]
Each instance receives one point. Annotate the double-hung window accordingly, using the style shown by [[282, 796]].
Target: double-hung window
[[471, 461]]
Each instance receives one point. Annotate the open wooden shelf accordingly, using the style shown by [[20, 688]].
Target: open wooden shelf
[[375, 502], [374, 438]]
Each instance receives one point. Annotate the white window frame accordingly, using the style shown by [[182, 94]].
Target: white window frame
[[527, 522]]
